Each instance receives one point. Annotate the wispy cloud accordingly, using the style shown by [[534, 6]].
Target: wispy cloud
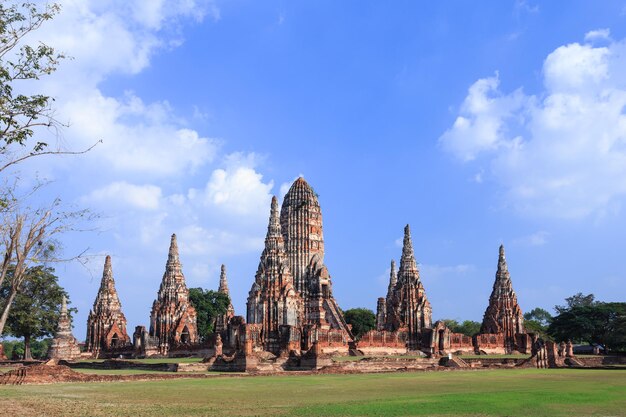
[[557, 154]]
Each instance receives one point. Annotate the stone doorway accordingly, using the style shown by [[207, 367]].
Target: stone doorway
[[115, 340], [184, 336], [442, 340]]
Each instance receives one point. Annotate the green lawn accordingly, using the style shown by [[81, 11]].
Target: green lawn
[[525, 392]]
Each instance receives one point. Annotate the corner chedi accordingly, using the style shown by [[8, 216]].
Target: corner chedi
[[273, 302], [301, 225], [106, 325], [173, 318], [504, 315], [64, 345], [404, 317], [221, 321]]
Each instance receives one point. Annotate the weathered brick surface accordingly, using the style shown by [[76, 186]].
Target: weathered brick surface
[[273, 301], [106, 325], [173, 318], [221, 322], [503, 315], [64, 345]]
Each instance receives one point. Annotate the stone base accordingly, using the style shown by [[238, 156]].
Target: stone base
[[64, 349]]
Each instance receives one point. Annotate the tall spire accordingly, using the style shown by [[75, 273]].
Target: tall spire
[[273, 228], [223, 288], [106, 317], [502, 266], [503, 314], [107, 274], [172, 310], [408, 266], [172, 256], [107, 299], [64, 306], [393, 278]]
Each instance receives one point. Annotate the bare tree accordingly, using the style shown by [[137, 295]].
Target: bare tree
[[28, 236]]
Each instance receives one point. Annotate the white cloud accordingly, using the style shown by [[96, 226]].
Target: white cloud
[[137, 137], [598, 34], [482, 124], [236, 189], [561, 153], [123, 194]]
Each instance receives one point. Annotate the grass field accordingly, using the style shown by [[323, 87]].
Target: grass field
[[527, 392]]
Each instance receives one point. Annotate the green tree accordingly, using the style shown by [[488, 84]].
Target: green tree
[[602, 323], [20, 63], [468, 327], [576, 300], [208, 304], [362, 320], [537, 321], [14, 349], [36, 308]]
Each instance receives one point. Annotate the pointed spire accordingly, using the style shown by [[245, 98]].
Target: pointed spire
[[107, 274], [407, 262], [393, 279], [172, 256], [223, 288], [273, 228], [502, 266], [64, 306]]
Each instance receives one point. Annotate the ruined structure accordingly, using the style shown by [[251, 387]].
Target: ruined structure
[[64, 345], [503, 315], [173, 318], [106, 325], [221, 321], [301, 225], [273, 302], [404, 317], [406, 304], [291, 312]]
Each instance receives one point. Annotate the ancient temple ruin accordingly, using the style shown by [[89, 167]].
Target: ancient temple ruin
[[106, 325], [291, 311], [408, 306], [503, 315], [404, 316], [173, 318], [301, 225], [221, 321], [273, 304], [64, 345]]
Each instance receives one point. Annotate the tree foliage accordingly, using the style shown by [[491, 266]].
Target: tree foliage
[[208, 304], [14, 349], [21, 114], [576, 300], [36, 308], [468, 327], [537, 321], [602, 323], [362, 320]]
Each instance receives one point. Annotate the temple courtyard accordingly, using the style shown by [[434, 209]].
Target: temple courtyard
[[510, 392]]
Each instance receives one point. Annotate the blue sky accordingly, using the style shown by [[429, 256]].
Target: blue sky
[[478, 123]]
